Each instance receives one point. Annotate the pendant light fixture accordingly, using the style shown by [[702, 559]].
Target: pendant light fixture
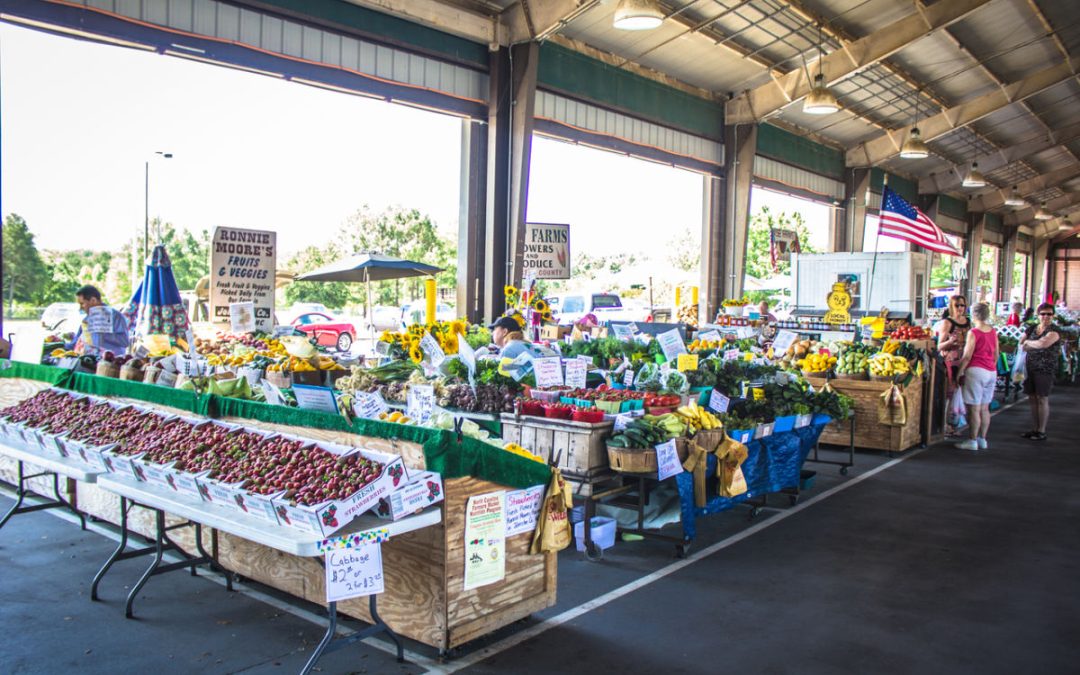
[[1065, 225], [1042, 214], [974, 178], [820, 101], [638, 15], [914, 147], [1014, 199]]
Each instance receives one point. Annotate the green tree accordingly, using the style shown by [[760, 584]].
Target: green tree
[[684, 252], [758, 255], [67, 271], [22, 268], [333, 294], [402, 233]]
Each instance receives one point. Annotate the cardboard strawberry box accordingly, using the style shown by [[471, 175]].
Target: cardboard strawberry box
[[150, 472], [263, 506], [121, 465], [185, 483], [422, 490], [329, 516], [229, 495]]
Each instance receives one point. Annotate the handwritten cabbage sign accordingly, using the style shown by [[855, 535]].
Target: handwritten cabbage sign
[[242, 268], [547, 251]]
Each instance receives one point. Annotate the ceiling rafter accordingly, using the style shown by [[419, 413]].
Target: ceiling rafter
[[757, 104], [886, 145], [1026, 215], [995, 199]]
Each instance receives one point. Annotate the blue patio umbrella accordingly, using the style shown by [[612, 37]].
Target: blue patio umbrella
[[156, 307]]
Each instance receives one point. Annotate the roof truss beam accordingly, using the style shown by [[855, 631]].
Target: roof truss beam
[[1026, 215], [458, 21], [757, 104], [996, 198], [887, 144]]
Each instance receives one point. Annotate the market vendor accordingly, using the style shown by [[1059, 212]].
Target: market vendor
[[103, 328], [763, 310], [507, 336]]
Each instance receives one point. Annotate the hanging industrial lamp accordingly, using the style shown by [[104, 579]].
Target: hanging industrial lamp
[[820, 100], [974, 178], [1065, 225], [914, 147], [1014, 199], [638, 15], [1042, 214]]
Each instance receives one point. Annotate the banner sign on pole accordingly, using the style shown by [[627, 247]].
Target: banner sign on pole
[[243, 264]]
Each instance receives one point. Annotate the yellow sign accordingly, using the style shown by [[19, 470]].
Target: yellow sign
[[839, 302], [759, 394], [687, 362]]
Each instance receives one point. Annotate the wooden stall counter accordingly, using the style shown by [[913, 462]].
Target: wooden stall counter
[[870, 434]]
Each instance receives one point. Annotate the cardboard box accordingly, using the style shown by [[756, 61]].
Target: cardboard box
[[263, 506], [150, 472], [420, 492], [119, 464], [328, 517]]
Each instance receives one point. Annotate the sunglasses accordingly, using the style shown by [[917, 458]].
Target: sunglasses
[[1046, 314]]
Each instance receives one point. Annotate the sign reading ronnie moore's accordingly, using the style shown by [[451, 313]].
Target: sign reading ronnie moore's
[[242, 268], [547, 251]]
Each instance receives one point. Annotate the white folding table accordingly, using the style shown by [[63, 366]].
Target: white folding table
[[51, 465]]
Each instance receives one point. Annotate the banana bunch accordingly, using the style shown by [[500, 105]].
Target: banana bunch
[[816, 363], [887, 365], [522, 452], [701, 345], [891, 346], [395, 417], [697, 418], [60, 353], [327, 363]]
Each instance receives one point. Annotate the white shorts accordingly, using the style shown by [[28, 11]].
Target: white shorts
[[979, 386]]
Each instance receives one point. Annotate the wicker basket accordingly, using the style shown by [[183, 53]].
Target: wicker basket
[[814, 373], [106, 369], [851, 376], [882, 378], [132, 374]]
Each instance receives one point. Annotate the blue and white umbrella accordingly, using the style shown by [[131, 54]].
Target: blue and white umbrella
[[156, 307]]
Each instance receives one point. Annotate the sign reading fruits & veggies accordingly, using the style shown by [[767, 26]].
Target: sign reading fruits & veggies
[[242, 268], [485, 540]]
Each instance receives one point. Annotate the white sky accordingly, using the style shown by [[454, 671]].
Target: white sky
[[79, 119]]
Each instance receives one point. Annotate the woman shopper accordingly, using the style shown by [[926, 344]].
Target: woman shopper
[[1014, 318], [1042, 346], [978, 368], [952, 336]]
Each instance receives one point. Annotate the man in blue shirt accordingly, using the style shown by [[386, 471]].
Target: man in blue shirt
[[103, 329]]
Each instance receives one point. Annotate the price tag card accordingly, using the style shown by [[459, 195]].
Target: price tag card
[[718, 402], [434, 353], [671, 343], [420, 402], [633, 328], [743, 332], [667, 460], [242, 317], [282, 331], [99, 320], [731, 354], [628, 378], [784, 339], [759, 394], [270, 391], [576, 370], [548, 372], [622, 331], [687, 362], [587, 359], [368, 405], [523, 509], [710, 336], [315, 398], [354, 572], [621, 420]]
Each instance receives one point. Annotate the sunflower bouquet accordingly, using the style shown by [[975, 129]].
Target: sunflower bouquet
[[406, 344], [520, 303]]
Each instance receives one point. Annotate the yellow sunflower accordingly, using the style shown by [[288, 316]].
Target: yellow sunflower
[[415, 354], [459, 326], [539, 305], [387, 336], [546, 315]]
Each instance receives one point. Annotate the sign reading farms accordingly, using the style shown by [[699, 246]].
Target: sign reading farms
[[242, 268], [547, 251]]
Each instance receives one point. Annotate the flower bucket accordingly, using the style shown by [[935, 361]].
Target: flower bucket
[[821, 418], [734, 311]]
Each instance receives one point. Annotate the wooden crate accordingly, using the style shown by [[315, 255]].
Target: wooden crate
[[869, 433], [577, 447]]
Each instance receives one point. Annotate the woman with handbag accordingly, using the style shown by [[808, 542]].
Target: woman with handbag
[[1042, 344], [978, 368], [952, 336]]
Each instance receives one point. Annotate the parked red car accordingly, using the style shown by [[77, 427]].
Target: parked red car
[[328, 331]]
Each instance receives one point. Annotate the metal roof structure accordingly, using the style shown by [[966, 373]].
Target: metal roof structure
[[979, 77]]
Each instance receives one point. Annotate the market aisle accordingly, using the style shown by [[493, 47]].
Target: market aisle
[[182, 624], [946, 562]]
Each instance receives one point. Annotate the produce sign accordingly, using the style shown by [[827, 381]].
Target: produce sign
[[547, 250], [242, 268]]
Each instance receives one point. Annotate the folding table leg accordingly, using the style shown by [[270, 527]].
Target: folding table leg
[[159, 551], [66, 503], [20, 494], [115, 554], [328, 637]]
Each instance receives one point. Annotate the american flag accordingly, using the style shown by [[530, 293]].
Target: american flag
[[904, 221]]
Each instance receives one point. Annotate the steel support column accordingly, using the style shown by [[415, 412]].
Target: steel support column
[[1006, 262], [852, 229], [712, 248], [1038, 264], [496, 211], [472, 220], [524, 59], [740, 143], [976, 231]]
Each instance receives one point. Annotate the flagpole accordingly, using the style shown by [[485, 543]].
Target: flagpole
[[873, 266]]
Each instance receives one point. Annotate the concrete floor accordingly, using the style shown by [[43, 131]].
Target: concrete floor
[[944, 561]]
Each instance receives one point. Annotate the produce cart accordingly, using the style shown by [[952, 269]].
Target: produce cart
[[869, 432], [424, 599]]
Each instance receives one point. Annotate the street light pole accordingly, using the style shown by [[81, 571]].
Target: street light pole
[[146, 204]]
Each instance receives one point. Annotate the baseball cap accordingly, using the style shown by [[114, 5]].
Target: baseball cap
[[509, 323]]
